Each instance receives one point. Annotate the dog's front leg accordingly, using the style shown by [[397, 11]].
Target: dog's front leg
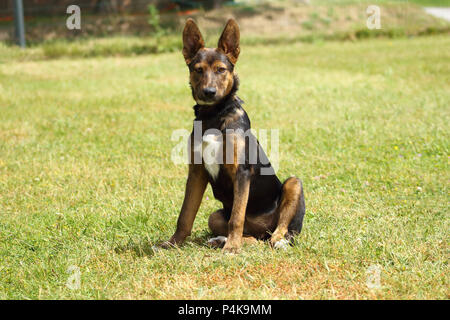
[[241, 189], [195, 188]]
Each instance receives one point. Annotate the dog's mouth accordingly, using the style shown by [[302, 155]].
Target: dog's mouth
[[205, 102]]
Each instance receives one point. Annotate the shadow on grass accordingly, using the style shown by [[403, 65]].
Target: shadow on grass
[[144, 247], [141, 248]]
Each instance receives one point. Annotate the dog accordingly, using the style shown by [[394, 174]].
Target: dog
[[256, 205]]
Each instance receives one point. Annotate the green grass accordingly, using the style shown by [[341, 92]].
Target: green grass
[[86, 178]]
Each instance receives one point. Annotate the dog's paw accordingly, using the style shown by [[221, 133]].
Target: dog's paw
[[281, 244], [231, 248], [163, 245], [217, 242]]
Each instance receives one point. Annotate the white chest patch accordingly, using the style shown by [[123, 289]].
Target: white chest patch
[[212, 150], [213, 170]]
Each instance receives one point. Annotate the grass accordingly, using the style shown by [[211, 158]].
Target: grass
[[86, 178]]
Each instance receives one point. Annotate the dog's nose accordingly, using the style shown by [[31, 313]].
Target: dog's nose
[[209, 92]]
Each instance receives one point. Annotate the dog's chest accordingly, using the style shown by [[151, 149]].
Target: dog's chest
[[211, 150]]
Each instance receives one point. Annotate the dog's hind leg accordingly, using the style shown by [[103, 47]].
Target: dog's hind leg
[[218, 225], [290, 213]]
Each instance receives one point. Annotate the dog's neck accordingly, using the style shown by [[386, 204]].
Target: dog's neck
[[230, 102]]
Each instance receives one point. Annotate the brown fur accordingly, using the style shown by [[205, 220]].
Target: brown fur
[[210, 72], [192, 40], [230, 118], [229, 41], [291, 192]]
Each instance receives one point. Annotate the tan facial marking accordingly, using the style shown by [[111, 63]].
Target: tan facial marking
[[217, 65]]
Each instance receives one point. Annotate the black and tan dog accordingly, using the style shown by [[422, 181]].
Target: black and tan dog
[[256, 205]]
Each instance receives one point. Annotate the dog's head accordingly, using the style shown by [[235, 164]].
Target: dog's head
[[211, 70]]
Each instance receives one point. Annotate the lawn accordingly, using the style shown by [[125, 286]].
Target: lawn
[[87, 183]]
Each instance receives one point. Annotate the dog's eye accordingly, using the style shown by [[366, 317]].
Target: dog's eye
[[221, 70], [199, 70]]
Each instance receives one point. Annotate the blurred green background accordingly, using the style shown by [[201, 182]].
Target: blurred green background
[[144, 26]]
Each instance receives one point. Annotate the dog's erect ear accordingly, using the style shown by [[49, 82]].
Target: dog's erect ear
[[192, 40], [229, 41]]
